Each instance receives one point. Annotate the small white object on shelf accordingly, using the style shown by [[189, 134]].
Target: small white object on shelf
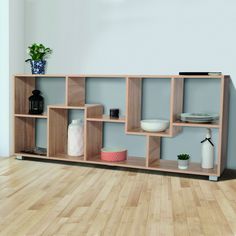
[[155, 125], [76, 138], [207, 151], [183, 164], [183, 161]]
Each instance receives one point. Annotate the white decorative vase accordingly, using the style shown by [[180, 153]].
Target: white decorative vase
[[76, 138], [207, 151]]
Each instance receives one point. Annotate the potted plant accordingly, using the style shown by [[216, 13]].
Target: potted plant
[[183, 161], [38, 53]]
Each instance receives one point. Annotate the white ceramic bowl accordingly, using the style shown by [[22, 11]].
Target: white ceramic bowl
[[155, 125]]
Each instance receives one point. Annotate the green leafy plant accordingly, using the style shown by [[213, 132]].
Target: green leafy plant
[[38, 52], [183, 157]]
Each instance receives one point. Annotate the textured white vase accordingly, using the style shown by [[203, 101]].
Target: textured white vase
[[76, 138], [207, 152]]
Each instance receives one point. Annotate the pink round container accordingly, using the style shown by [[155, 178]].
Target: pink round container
[[113, 154]]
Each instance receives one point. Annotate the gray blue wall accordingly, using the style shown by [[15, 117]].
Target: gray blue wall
[[140, 37]]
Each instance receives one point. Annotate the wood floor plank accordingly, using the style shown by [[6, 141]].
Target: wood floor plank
[[39, 198]]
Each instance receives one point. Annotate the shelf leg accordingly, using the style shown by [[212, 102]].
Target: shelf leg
[[213, 178], [19, 157]]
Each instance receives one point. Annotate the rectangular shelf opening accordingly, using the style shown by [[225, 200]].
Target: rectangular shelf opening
[[148, 98], [112, 135], [200, 96], [162, 156], [31, 134], [109, 92], [53, 93], [59, 120]]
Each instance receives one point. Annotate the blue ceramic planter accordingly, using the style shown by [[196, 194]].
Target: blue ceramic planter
[[38, 67]]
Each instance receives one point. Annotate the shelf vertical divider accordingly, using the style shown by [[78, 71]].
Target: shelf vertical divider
[[57, 131], [176, 103], [223, 130], [66, 92], [93, 137], [75, 91], [133, 103], [153, 150]]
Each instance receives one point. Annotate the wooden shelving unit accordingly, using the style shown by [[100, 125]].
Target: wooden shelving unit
[[75, 92]]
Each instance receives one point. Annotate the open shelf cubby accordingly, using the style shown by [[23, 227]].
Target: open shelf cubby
[[206, 98], [89, 97], [59, 119], [53, 93], [162, 98], [103, 137], [30, 132]]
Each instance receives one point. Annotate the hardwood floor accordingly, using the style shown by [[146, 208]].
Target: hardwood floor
[[38, 198]]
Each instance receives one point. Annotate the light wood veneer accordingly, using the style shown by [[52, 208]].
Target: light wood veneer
[[39, 198], [57, 122]]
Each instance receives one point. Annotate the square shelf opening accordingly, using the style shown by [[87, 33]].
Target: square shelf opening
[[110, 92], [53, 91], [106, 134], [148, 98], [59, 120], [31, 136], [201, 96]]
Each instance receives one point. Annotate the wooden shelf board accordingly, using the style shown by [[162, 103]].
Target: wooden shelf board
[[200, 125], [199, 76], [66, 157], [106, 118], [176, 76], [62, 157], [93, 105], [62, 106], [133, 162], [67, 107], [172, 166], [86, 76], [41, 76], [149, 76], [139, 131], [122, 76], [43, 116]]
